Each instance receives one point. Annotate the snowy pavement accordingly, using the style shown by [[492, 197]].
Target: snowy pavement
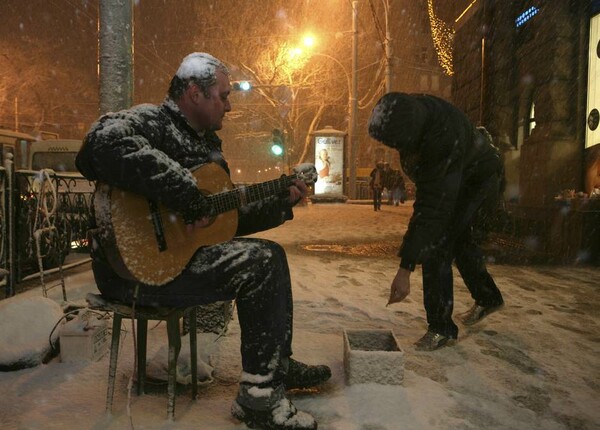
[[534, 365]]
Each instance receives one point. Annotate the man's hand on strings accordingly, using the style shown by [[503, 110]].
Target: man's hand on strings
[[297, 191]]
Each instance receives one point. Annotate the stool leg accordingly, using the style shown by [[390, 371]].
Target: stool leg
[[142, 341], [114, 354], [194, 353], [174, 348]]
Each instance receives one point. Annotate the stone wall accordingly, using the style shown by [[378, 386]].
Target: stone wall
[[539, 62]]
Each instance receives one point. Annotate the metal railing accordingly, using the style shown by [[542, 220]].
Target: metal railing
[[44, 216]]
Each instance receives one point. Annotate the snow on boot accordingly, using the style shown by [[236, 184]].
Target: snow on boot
[[283, 416]]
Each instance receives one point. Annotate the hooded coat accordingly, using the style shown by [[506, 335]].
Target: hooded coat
[[442, 153]]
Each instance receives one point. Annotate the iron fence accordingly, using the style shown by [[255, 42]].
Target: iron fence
[[3, 224], [44, 216]]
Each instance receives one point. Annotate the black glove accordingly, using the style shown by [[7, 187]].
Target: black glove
[[199, 207]]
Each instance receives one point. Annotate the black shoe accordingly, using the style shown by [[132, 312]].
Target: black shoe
[[283, 416], [432, 341], [477, 313], [300, 375]]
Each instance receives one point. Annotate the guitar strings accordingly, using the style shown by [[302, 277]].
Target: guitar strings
[[225, 201]]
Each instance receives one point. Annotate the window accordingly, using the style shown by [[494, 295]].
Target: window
[[57, 161], [531, 119], [526, 125]]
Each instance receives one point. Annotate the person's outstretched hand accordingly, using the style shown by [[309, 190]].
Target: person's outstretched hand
[[400, 286]]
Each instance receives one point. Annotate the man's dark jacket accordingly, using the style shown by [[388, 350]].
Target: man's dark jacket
[[443, 153], [150, 150]]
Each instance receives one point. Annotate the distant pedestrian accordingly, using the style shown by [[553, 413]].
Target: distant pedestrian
[[387, 182], [458, 174], [376, 184], [397, 188]]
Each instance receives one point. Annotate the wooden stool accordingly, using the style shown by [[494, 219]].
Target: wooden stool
[[142, 316]]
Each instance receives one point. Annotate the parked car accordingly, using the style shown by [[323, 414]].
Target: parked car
[[56, 154]]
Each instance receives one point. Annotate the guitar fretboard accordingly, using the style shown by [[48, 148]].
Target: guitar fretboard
[[238, 197]]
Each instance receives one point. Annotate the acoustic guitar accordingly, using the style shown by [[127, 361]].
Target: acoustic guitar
[[149, 243]]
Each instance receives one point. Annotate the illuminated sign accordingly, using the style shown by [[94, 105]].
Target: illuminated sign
[[592, 136], [329, 161], [526, 16]]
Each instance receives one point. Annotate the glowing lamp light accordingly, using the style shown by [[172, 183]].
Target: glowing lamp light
[[242, 86], [443, 39], [308, 41]]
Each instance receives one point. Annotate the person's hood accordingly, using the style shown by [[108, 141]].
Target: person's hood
[[398, 120]]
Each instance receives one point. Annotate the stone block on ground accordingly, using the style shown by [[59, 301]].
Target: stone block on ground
[[373, 356]]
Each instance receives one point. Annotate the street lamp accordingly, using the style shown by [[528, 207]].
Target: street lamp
[[352, 109], [387, 48], [353, 102], [348, 81], [352, 81], [354, 97]]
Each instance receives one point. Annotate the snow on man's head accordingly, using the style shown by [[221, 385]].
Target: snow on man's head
[[199, 68], [396, 120], [199, 65]]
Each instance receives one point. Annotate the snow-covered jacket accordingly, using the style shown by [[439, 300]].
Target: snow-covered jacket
[[442, 152], [150, 150]]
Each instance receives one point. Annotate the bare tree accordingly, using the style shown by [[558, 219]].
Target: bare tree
[[292, 90], [20, 84], [45, 83]]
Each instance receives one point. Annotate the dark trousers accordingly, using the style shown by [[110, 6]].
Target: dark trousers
[[254, 272], [377, 198], [459, 245]]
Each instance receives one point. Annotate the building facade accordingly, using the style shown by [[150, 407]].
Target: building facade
[[526, 70]]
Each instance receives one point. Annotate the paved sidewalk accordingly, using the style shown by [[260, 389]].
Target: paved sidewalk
[[534, 365]]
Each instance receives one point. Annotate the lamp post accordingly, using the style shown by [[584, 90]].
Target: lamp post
[[352, 80], [352, 106], [354, 95], [339, 63], [387, 48], [115, 52], [353, 103]]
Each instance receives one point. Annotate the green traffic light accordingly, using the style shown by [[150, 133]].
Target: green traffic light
[[276, 149]]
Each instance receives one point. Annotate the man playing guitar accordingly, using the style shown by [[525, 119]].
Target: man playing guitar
[[150, 154]]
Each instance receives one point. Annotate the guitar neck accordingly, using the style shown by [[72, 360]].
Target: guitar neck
[[238, 197]]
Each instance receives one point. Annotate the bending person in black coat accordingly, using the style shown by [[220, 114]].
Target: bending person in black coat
[[149, 150], [458, 175]]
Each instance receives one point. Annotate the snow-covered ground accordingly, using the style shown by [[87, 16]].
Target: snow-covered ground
[[534, 365]]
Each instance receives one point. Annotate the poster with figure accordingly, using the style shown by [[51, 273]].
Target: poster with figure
[[329, 161], [593, 93], [592, 132]]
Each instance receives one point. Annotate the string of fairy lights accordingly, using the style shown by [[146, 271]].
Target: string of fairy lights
[[443, 38]]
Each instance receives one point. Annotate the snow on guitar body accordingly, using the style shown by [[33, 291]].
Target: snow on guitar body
[[147, 242]]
